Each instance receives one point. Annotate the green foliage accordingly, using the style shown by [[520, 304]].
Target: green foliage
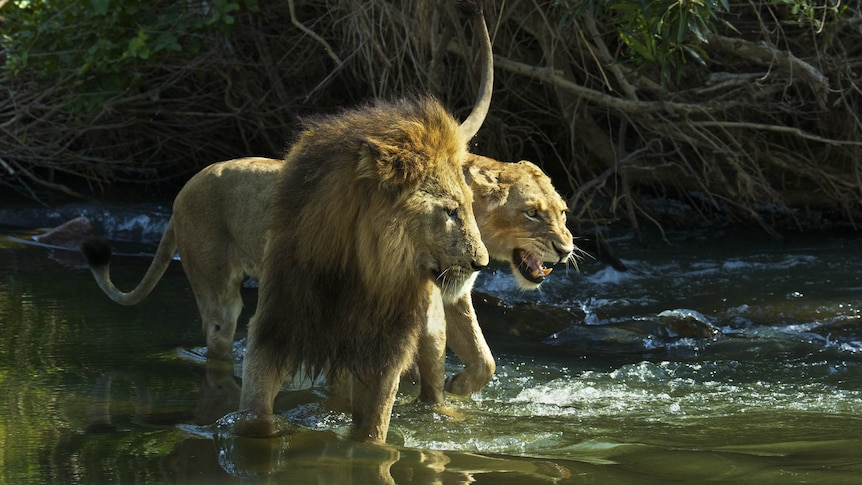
[[662, 34], [816, 13], [104, 45]]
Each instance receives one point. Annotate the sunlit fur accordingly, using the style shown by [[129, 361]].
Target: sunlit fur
[[218, 226], [371, 208], [505, 194], [517, 207]]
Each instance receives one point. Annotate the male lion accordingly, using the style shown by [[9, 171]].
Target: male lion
[[371, 220], [219, 227]]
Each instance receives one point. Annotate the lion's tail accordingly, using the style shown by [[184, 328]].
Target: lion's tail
[[98, 253], [474, 121]]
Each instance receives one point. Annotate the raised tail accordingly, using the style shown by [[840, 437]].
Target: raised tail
[[98, 253], [474, 121]]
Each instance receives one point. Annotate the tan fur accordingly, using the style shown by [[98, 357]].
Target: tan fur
[[397, 177], [219, 220], [217, 226], [516, 208], [371, 219]]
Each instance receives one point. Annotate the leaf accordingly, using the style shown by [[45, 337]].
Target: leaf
[[167, 40], [138, 46], [681, 27], [695, 28], [641, 48], [696, 54], [100, 6]]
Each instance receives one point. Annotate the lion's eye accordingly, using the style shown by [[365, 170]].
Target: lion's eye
[[452, 212], [533, 215]]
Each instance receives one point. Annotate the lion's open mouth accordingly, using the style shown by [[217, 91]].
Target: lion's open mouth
[[532, 269]]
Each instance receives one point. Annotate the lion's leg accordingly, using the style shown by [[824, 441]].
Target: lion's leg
[[339, 384], [372, 399], [464, 337], [219, 318], [216, 283], [262, 377], [431, 358]]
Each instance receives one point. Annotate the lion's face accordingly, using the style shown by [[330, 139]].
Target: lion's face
[[411, 201], [522, 218], [451, 248]]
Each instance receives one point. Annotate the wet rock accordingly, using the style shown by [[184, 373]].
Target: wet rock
[[645, 335], [64, 240], [557, 326], [685, 323], [605, 339], [539, 322], [67, 235], [532, 321]]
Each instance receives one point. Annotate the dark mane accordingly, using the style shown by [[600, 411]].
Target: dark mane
[[342, 273]]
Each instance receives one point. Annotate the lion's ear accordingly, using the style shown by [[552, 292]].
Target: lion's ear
[[388, 164], [486, 183]]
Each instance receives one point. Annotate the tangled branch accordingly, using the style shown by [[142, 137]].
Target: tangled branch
[[767, 126]]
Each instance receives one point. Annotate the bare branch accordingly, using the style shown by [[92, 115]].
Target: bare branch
[[312, 34], [768, 55], [775, 128]]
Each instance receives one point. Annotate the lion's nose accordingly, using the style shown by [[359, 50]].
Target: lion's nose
[[563, 252], [481, 258]]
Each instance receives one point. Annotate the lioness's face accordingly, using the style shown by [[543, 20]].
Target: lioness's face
[[451, 249], [528, 228]]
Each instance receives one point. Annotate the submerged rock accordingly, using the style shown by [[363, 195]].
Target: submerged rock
[[532, 321], [64, 240], [566, 327], [67, 235], [685, 323]]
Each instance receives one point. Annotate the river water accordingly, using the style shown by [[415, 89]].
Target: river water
[[719, 356]]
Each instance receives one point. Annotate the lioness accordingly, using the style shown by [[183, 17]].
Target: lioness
[[522, 220], [219, 226]]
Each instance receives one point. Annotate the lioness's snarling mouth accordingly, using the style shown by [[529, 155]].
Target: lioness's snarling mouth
[[532, 269]]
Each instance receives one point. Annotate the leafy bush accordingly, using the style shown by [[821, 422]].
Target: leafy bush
[[748, 113], [663, 34], [101, 47]]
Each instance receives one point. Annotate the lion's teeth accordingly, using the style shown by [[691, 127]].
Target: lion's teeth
[[541, 272]]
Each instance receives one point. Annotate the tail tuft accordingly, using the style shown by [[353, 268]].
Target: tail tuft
[[97, 250]]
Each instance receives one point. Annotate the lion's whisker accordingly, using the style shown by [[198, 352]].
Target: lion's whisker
[[442, 275], [573, 260]]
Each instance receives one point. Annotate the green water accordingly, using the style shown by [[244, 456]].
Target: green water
[[590, 388]]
